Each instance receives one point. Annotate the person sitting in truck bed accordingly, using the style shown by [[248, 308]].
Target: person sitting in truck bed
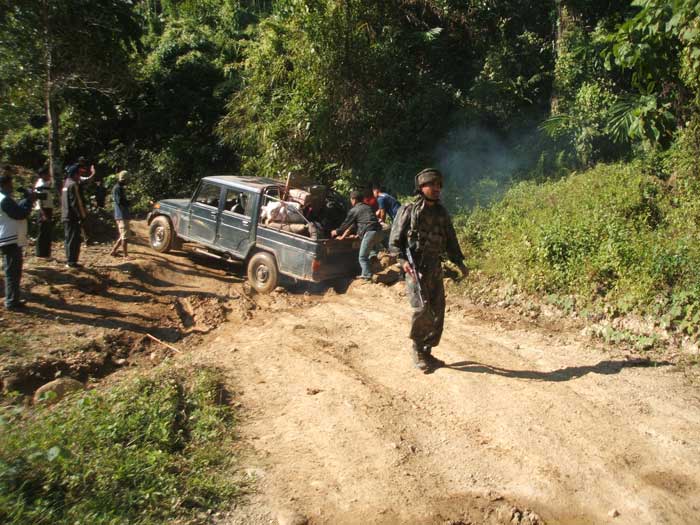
[[369, 230]]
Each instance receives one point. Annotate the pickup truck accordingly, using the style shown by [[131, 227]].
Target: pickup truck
[[224, 219]]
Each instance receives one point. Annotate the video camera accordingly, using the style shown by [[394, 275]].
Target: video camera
[[39, 193]]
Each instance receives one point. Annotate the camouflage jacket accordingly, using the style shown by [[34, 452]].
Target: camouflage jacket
[[428, 231]]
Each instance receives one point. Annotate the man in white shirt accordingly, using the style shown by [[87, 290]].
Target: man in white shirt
[[13, 237], [44, 209]]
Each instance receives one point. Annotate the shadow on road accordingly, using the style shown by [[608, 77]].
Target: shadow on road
[[607, 367]]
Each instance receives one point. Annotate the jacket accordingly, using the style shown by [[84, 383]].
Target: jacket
[[72, 208], [362, 216], [427, 231], [13, 220]]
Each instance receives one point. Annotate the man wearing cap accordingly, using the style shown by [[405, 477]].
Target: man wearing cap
[[85, 173], [121, 212], [73, 213], [368, 229], [13, 237], [424, 228]]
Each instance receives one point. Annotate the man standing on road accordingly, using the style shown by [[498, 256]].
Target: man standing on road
[[73, 214], [424, 228], [44, 210], [13, 237], [121, 212], [369, 231]]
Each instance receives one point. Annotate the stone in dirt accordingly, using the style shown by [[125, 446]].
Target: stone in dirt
[[613, 513], [387, 260], [11, 383], [388, 276], [60, 387], [516, 516], [291, 517]]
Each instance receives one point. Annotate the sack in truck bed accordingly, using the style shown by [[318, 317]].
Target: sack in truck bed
[[301, 197]]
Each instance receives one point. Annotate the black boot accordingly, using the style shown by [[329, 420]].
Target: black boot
[[418, 356], [432, 361]]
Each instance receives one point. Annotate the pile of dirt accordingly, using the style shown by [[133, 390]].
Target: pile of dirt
[[112, 312], [200, 313], [94, 359]]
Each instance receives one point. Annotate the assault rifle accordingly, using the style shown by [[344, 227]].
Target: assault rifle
[[415, 275]]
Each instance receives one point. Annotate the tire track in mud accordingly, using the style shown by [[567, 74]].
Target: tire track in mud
[[370, 427], [346, 431]]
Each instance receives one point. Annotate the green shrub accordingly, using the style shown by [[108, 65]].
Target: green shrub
[[141, 453], [24, 146], [615, 236]]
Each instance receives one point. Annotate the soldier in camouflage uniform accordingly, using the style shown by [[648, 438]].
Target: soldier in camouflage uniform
[[425, 228]]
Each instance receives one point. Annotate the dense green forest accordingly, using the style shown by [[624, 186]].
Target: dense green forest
[[569, 130]]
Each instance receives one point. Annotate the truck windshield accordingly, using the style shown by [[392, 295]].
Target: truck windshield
[[208, 195]]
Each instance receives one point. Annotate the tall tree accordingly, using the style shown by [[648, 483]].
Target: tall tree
[[64, 47]]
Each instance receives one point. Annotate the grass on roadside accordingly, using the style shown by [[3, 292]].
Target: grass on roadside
[[615, 239], [153, 450]]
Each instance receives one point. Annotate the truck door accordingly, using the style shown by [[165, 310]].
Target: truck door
[[235, 232], [204, 212]]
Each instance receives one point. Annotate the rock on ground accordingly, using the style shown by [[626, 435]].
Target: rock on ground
[[60, 387]]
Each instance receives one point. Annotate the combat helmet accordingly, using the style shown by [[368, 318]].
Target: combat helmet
[[427, 176]]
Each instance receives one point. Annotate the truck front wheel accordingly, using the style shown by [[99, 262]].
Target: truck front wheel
[[161, 235], [262, 272]]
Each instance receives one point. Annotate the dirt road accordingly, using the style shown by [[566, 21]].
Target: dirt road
[[525, 425], [345, 431]]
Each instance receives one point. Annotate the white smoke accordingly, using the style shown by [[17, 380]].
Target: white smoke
[[478, 166]]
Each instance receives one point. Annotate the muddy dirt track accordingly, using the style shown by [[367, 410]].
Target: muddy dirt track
[[525, 424], [347, 432]]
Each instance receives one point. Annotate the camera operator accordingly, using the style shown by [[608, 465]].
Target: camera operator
[[44, 207], [72, 214], [13, 237]]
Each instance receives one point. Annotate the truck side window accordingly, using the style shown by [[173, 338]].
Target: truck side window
[[208, 195], [239, 202]]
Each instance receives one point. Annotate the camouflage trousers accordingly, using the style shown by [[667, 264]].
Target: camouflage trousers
[[428, 320]]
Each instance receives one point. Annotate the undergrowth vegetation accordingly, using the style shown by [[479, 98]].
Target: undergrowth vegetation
[[618, 238], [149, 451]]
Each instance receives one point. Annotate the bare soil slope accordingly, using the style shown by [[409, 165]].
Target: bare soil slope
[[526, 424], [348, 432]]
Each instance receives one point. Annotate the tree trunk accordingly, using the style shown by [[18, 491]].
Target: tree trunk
[[563, 22], [54, 143], [50, 105]]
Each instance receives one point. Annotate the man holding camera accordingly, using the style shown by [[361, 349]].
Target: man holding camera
[[72, 214], [13, 237]]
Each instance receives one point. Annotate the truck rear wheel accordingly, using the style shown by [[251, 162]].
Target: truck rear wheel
[[161, 235], [262, 272]]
